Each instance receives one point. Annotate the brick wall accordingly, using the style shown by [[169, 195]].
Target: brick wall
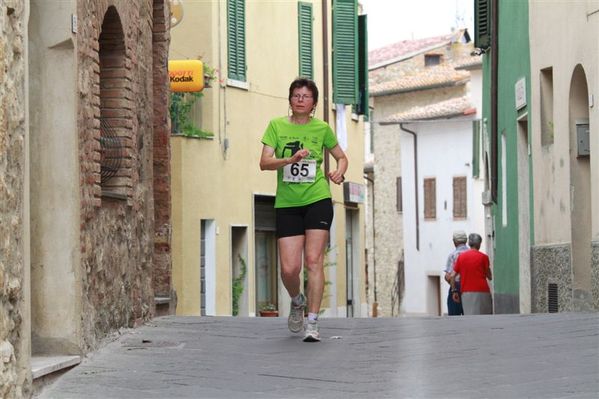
[[14, 375], [117, 232], [162, 183]]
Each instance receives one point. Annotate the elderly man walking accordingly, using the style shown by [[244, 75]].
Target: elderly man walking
[[474, 269], [454, 308]]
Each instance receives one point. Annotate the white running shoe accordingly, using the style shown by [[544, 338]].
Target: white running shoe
[[295, 322], [312, 334]]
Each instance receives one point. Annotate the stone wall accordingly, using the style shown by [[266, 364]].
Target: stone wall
[[117, 231], [162, 155], [388, 220], [553, 264], [14, 372]]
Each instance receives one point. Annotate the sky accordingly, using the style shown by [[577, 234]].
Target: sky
[[391, 21]]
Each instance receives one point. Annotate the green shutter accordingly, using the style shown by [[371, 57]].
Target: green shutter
[[304, 21], [475, 148], [236, 39], [482, 24], [363, 65], [345, 51]]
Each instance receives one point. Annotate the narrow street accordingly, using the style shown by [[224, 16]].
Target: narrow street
[[502, 356]]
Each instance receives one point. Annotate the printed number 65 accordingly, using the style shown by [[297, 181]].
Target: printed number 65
[[297, 169]]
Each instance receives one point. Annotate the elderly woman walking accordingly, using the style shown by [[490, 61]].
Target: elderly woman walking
[[474, 269]]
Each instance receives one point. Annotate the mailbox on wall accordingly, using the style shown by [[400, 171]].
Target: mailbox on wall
[[583, 144], [186, 75]]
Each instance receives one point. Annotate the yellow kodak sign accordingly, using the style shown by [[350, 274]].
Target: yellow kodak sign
[[186, 75]]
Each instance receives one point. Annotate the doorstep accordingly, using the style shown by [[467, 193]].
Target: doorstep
[[44, 365]]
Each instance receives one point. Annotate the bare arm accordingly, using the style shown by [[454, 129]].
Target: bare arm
[[489, 273], [452, 280], [455, 295], [269, 162], [337, 176]]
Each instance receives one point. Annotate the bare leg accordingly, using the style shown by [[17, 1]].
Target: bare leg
[[316, 241], [290, 253]]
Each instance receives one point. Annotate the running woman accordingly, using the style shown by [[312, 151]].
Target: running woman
[[294, 147]]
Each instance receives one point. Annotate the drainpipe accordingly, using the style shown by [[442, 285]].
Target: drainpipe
[[325, 76], [401, 127], [375, 304]]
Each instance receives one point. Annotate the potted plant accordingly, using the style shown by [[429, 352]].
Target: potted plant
[[269, 310]]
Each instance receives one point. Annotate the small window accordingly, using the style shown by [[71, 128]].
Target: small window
[[460, 198], [430, 198], [432, 59], [398, 190]]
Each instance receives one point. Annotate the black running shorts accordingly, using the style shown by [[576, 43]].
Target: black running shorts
[[296, 220]]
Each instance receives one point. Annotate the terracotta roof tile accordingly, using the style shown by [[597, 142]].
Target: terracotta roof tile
[[473, 62], [390, 82], [404, 48], [442, 110]]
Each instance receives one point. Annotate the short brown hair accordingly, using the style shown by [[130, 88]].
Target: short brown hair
[[304, 82]]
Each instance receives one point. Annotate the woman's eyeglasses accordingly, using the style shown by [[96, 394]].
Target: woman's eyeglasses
[[298, 97]]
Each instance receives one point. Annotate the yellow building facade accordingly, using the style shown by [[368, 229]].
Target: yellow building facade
[[222, 204]]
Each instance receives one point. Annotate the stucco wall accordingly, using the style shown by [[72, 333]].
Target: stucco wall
[[14, 350], [55, 178], [566, 211], [434, 138], [514, 64]]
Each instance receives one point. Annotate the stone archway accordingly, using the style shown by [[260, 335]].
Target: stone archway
[[580, 192]]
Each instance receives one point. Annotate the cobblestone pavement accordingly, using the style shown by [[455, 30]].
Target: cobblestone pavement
[[501, 356]]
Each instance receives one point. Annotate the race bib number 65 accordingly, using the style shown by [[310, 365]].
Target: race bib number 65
[[300, 172]]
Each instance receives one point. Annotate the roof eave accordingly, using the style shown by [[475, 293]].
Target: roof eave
[[466, 112], [420, 88]]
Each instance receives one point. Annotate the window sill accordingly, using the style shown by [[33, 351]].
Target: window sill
[[114, 195], [238, 84], [209, 138]]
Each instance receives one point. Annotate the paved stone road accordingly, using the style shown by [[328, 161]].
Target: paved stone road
[[502, 356]]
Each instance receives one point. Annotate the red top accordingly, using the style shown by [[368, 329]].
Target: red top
[[472, 267]]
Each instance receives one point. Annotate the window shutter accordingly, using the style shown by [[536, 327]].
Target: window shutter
[[345, 52], [459, 198], [362, 107], [306, 68], [482, 24], [476, 148], [430, 198], [236, 39]]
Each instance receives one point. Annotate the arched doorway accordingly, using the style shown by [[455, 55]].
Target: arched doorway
[[580, 190]]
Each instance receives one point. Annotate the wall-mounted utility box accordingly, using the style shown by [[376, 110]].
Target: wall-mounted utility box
[[583, 143]]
